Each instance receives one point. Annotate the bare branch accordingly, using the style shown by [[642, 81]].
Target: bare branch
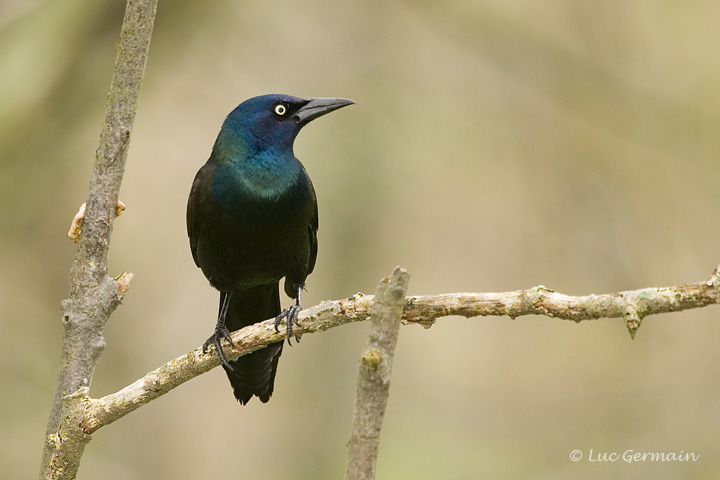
[[423, 310], [633, 305], [105, 410], [93, 294], [374, 371]]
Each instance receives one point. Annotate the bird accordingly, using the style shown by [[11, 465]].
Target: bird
[[252, 220]]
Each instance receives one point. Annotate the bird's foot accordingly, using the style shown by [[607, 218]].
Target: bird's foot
[[291, 316], [221, 332]]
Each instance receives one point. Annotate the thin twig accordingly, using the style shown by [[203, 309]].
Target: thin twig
[[374, 371], [632, 305]]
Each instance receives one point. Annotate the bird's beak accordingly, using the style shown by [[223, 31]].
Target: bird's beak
[[317, 107]]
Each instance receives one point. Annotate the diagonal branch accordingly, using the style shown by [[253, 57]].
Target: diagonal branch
[[424, 310]]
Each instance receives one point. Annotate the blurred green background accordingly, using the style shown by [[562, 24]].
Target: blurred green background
[[496, 145]]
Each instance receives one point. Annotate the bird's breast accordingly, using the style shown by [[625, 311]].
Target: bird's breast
[[265, 189]]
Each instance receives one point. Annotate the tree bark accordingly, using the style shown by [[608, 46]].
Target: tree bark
[[374, 371], [93, 294]]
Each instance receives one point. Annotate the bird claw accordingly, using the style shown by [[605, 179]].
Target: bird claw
[[220, 333], [291, 316]]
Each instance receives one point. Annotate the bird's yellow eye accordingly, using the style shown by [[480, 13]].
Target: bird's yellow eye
[[280, 109]]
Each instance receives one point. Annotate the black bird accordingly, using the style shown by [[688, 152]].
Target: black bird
[[252, 219]]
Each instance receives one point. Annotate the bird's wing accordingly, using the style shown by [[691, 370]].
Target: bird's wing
[[192, 215], [312, 230]]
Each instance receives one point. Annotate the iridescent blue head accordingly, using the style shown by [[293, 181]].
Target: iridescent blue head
[[270, 122]]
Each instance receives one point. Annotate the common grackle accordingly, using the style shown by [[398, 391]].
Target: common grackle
[[252, 219]]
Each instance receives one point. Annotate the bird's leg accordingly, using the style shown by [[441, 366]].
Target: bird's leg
[[291, 314], [221, 331]]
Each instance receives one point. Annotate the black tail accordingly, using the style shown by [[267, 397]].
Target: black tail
[[254, 374]]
